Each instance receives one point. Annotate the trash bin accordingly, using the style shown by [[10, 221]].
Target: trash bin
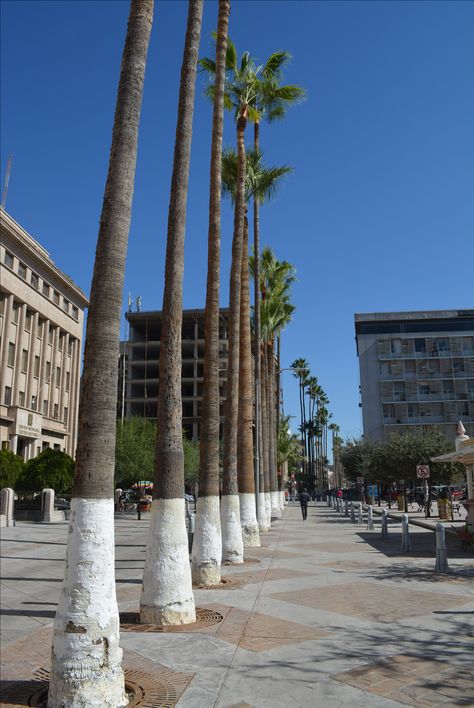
[[400, 502], [371, 499]]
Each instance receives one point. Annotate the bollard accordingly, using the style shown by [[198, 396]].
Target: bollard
[[370, 520], [441, 553], [359, 513], [7, 506], [338, 505], [406, 546], [191, 527], [329, 501], [353, 518], [346, 508], [384, 523]]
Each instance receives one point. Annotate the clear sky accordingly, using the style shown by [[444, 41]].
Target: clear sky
[[378, 215]]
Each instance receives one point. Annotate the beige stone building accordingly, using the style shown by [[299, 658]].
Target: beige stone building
[[41, 326]]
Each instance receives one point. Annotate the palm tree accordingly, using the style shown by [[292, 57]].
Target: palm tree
[[86, 657], [167, 596], [301, 368], [276, 310], [207, 543], [261, 184], [271, 103]]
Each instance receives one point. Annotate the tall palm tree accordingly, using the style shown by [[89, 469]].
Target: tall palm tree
[[167, 596], [276, 310], [271, 102], [207, 543], [86, 657], [261, 184], [301, 368]]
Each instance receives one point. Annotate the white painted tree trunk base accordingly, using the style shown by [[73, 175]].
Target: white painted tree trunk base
[[248, 519], [167, 593], [232, 543], [276, 511], [262, 514], [268, 508], [86, 658], [207, 542], [282, 500]]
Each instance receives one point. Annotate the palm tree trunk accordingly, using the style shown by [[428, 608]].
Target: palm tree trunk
[[245, 468], [207, 542], [276, 511], [265, 441], [167, 596], [259, 474], [231, 549], [86, 657]]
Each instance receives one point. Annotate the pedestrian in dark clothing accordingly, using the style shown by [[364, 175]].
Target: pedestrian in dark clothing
[[304, 499]]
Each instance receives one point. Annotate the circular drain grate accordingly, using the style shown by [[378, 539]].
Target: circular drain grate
[[146, 691], [130, 622]]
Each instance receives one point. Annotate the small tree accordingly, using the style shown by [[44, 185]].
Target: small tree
[[11, 468], [51, 469], [135, 451]]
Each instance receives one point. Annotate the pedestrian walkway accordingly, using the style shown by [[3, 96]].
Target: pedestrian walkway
[[325, 614]]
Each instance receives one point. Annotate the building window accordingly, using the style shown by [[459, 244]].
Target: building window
[[65, 416], [58, 375], [65, 305], [55, 414], [5, 445], [15, 312], [24, 360], [33, 402], [45, 445], [50, 335], [28, 319], [7, 396], [22, 270], [45, 407], [56, 446], [60, 342], [46, 289], [55, 297], [75, 312], [21, 398], [68, 376], [39, 332], [8, 259], [34, 280], [48, 370], [2, 303], [11, 354], [36, 371]]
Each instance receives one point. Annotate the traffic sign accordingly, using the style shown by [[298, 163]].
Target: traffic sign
[[422, 471]]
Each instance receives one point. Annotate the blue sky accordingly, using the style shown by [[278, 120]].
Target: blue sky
[[378, 215]]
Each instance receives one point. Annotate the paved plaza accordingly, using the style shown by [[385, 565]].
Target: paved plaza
[[325, 614]]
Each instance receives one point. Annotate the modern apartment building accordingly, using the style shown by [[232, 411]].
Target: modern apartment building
[[41, 324], [138, 366], [416, 371]]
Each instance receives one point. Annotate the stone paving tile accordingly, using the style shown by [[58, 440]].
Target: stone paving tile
[[413, 681], [369, 602], [335, 547]]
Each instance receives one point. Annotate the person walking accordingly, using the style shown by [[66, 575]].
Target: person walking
[[304, 499]]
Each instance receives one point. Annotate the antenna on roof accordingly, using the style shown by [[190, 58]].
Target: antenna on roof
[[6, 181]]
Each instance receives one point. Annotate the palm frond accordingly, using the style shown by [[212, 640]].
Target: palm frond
[[274, 63], [207, 64]]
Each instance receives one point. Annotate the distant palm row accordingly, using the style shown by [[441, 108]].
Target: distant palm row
[[86, 659]]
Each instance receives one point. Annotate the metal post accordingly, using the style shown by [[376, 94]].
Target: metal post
[[353, 518], [441, 552], [346, 508], [370, 520], [406, 545], [359, 513], [384, 523]]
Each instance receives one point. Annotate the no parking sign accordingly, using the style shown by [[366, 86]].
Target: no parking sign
[[422, 471]]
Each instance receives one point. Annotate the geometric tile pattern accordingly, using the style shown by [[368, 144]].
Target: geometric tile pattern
[[335, 547], [368, 601], [414, 682]]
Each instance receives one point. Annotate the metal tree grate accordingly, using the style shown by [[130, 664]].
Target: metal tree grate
[[160, 690], [130, 622]]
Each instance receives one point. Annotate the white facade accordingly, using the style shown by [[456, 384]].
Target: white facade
[[41, 325], [416, 371]]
